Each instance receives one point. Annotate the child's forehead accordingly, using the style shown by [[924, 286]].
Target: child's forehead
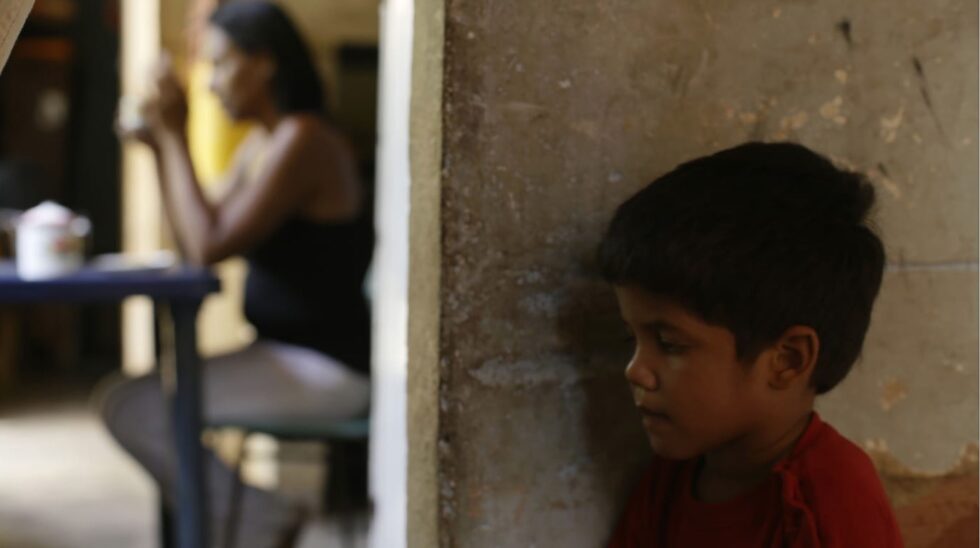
[[640, 307], [639, 301]]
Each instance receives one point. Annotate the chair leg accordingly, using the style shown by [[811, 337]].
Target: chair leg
[[346, 489], [346, 497], [166, 524], [348, 531], [235, 498]]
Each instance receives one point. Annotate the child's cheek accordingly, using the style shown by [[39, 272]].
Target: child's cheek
[[676, 364]]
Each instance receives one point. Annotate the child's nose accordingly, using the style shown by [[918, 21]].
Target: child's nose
[[639, 373]]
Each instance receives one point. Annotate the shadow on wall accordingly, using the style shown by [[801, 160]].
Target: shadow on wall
[[591, 329]]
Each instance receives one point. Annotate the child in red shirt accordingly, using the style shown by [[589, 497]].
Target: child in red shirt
[[747, 279]]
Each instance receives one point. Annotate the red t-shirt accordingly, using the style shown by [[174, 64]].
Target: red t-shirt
[[825, 494]]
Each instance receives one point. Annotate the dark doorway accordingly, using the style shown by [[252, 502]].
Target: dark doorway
[[58, 95]]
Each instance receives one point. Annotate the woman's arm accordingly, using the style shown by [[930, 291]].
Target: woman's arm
[[236, 176], [208, 232]]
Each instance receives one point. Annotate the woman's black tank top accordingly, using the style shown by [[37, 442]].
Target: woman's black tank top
[[305, 287]]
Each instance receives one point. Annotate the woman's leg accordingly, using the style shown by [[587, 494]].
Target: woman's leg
[[267, 381], [280, 382]]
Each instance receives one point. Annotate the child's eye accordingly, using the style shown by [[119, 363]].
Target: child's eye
[[670, 348]]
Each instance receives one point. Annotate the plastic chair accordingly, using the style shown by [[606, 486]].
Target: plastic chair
[[345, 489]]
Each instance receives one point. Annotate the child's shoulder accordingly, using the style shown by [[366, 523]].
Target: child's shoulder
[[826, 461], [837, 482]]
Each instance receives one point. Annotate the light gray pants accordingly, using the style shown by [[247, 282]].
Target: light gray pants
[[266, 380]]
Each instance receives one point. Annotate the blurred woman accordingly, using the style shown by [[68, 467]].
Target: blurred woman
[[295, 208]]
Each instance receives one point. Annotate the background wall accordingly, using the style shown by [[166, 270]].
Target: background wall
[[552, 113], [330, 24]]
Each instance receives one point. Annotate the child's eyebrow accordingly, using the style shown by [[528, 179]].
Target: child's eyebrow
[[662, 325]]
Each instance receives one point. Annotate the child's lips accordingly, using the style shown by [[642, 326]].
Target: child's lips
[[652, 415]]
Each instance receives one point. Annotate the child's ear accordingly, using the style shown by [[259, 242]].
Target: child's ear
[[794, 357]]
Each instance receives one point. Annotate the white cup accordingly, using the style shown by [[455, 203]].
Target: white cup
[[50, 242]]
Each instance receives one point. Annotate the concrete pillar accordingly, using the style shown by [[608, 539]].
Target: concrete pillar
[[425, 291], [143, 36], [533, 120]]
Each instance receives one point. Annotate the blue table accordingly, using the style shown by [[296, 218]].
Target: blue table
[[181, 290]]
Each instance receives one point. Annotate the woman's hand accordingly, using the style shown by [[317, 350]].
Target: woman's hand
[[167, 111], [163, 111]]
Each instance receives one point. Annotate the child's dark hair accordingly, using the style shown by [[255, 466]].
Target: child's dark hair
[[756, 239], [263, 27]]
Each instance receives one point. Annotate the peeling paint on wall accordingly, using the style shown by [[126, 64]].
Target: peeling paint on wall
[[527, 373], [934, 509], [795, 121], [831, 110], [892, 392], [890, 466]]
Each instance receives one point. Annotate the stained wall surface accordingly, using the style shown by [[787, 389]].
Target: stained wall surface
[[553, 112]]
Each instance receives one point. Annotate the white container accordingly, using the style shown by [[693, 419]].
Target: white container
[[50, 242]]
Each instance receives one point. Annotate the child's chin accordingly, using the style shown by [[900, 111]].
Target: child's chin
[[671, 451]]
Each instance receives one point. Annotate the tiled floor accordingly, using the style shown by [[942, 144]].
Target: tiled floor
[[64, 484]]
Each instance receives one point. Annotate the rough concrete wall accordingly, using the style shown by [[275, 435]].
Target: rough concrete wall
[[555, 111]]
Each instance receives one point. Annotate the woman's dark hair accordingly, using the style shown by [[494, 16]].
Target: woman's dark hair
[[263, 27], [756, 239]]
